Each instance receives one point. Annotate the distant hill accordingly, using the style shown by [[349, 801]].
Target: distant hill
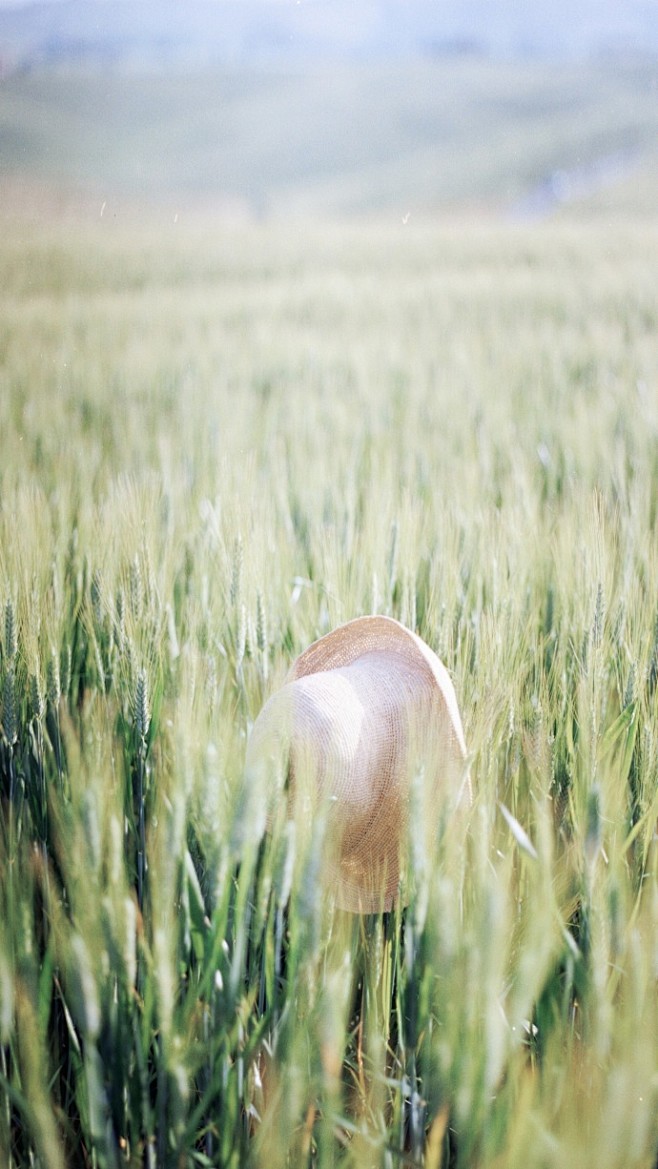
[[333, 106], [185, 32], [337, 138]]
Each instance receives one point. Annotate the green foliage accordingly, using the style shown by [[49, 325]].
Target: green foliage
[[215, 448]]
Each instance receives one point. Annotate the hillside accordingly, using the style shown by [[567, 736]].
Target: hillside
[[408, 136]]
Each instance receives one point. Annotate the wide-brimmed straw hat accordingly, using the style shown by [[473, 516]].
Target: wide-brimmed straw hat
[[365, 730]]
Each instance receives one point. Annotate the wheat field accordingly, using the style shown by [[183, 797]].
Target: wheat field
[[219, 442]]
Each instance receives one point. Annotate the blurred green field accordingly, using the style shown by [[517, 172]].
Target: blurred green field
[[218, 443], [415, 135]]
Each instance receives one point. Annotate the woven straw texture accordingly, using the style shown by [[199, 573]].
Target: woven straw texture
[[364, 710]]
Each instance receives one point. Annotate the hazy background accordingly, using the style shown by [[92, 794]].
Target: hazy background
[[333, 107]]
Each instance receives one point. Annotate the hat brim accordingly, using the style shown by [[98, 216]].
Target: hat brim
[[363, 709]]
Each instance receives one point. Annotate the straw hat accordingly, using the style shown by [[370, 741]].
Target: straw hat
[[366, 730]]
